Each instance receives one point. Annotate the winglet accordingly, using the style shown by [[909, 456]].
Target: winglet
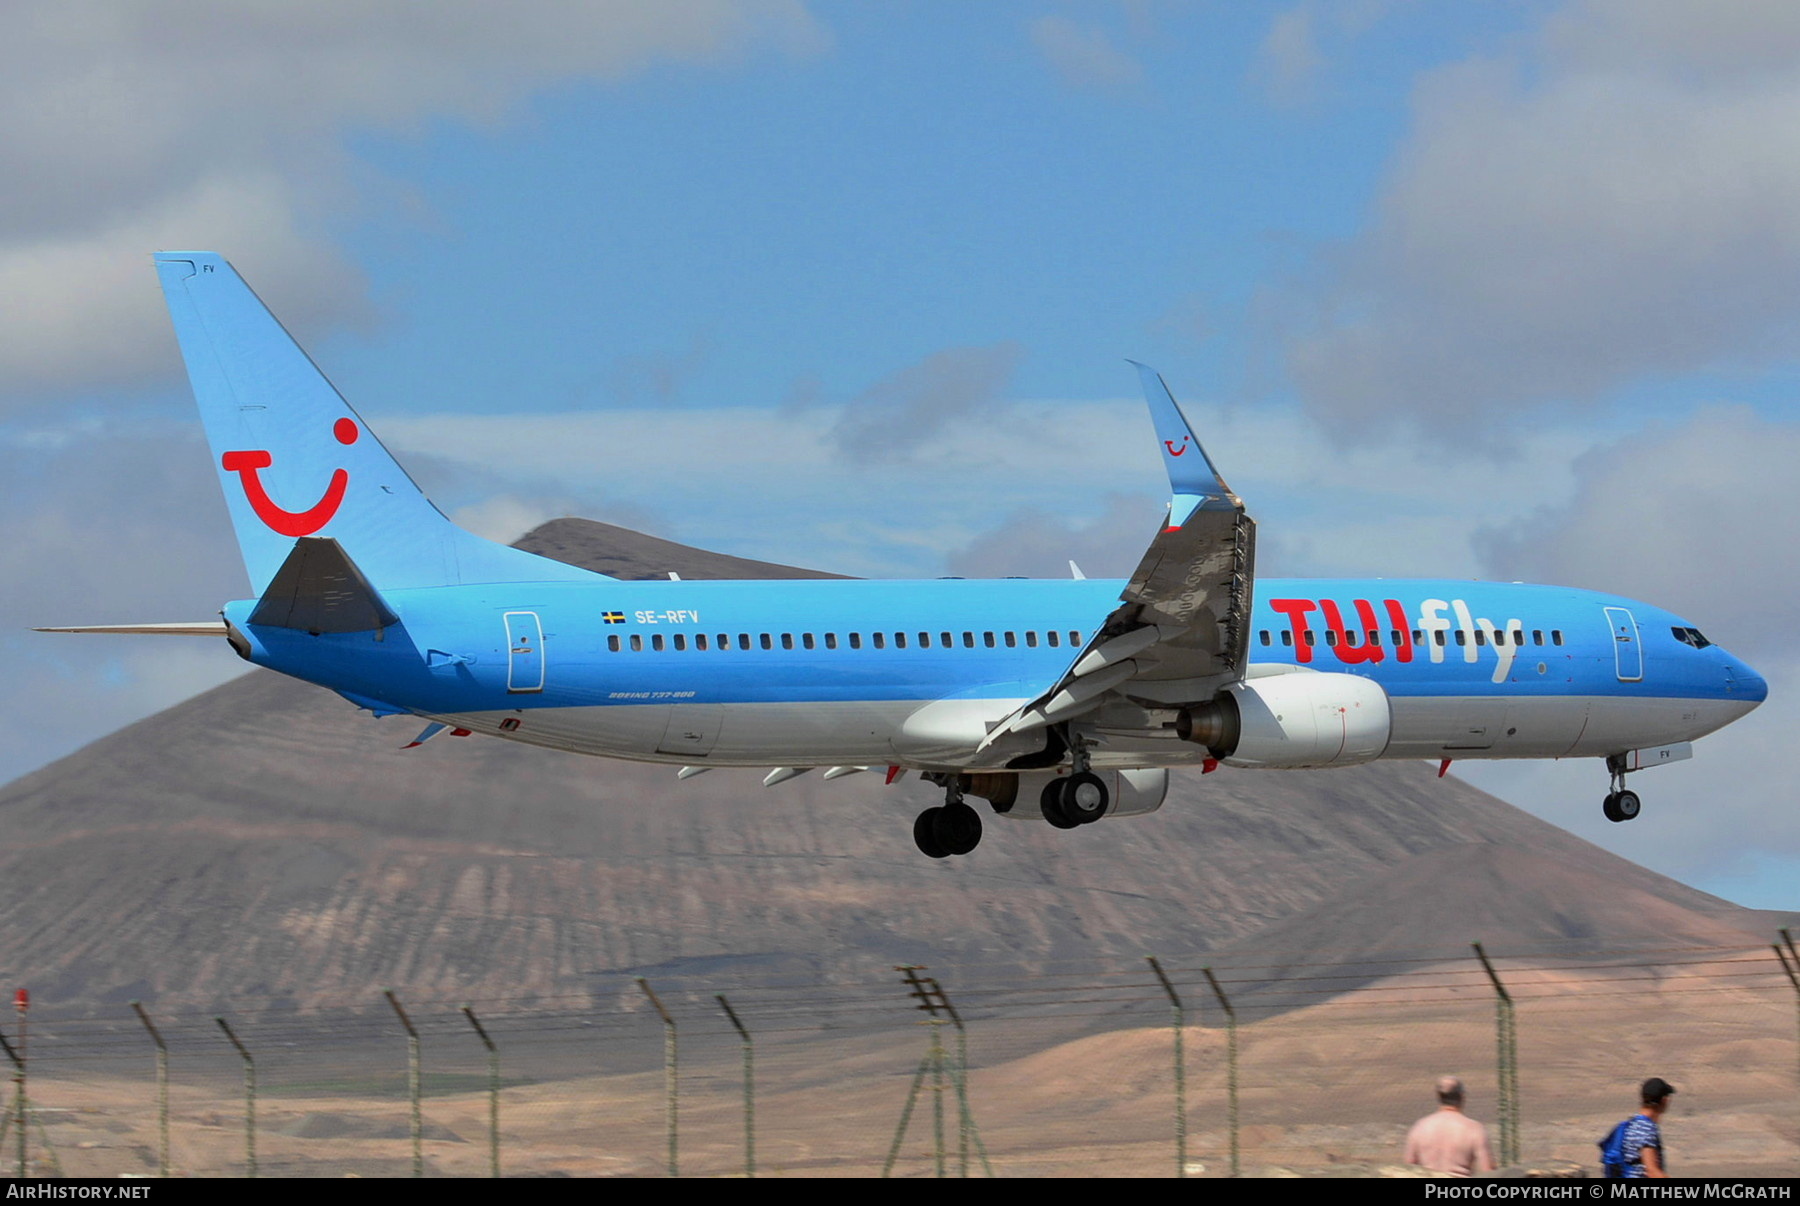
[[1192, 476]]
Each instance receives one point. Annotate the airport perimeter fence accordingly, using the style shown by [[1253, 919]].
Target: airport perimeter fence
[[1153, 1067]]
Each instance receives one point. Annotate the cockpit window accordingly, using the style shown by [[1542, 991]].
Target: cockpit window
[[1690, 636]]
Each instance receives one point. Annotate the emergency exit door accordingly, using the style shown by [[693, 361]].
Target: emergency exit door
[[524, 652]]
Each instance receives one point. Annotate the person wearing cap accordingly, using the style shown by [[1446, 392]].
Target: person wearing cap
[[1643, 1145], [1449, 1141]]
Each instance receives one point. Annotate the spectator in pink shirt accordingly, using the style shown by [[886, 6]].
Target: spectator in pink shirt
[[1449, 1141]]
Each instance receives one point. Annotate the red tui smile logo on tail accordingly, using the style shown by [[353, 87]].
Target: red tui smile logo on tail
[[291, 523]]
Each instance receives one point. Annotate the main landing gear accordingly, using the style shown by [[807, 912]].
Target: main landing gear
[[1621, 804], [950, 828], [1081, 799]]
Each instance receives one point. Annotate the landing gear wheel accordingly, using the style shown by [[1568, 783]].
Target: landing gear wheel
[[925, 834], [1084, 797], [1051, 802], [956, 827], [1623, 806]]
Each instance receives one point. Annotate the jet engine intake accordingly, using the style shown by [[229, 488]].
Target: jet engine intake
[[1292, 721]]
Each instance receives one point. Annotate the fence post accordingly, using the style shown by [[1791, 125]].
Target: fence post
[[1507, 1062], [21, 1001], [249, 1097], [1790, 963], [933, 1001], [671, 1054], [1231, 1063], [493, 1092], [162, 1090], [412, 1082], [19, 1099], [749, 1088], [1179, 1021]]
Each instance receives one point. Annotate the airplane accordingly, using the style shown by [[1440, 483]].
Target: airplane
[[1066, 701]]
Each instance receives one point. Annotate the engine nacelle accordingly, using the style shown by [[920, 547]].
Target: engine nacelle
[[1293, 721], [1130, 792]]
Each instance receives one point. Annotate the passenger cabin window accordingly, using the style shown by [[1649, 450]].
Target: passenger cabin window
[[743, 640], [924, 640], [1330, 637], [1307, 636], [1480, 637], [806, 640], [656, 642], [1053, 637], [1264, 636], [1031, 638], [787, 640], [1556, 636], [1012, 641], [612, 643], [680, 643], [968, 640], [700, 641], [1537, 636], [987, 638], [1287, 637], [879, 639], [637, 643], [899, 640], [1462, 638], [768, 642], [831, 640], [856, 640], [1439, 634]]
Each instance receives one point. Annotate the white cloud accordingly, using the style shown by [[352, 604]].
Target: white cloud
[[1289, 59], [1623, 199], [138, 125], [1696, 517], [1083, 56]]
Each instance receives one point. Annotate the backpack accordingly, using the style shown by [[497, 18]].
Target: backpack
[[1612, 1152]]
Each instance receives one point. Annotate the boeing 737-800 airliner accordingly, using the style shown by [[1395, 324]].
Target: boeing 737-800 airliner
[[1066, 700]]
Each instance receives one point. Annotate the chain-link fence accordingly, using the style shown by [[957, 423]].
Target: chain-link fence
[[1154, 1068]]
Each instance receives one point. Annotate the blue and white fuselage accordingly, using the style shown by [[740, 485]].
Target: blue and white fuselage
[[767, 673], [1064, 700]]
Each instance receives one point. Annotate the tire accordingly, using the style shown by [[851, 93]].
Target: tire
[[1051, 804], [1610, 806], [957, 828], [1085, 798], [1627, 804], [925, 834]]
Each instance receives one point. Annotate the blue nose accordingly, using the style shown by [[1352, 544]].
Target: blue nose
[[1745, 683]]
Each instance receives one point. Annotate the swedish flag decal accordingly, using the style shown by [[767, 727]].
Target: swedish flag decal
[[614, 617]]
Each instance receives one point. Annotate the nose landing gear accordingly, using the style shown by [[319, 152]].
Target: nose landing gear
[[1620, 804]]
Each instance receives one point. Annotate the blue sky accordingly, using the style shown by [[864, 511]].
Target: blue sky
[[1486, 290]]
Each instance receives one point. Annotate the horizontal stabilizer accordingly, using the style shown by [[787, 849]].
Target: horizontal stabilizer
[[319, 589], [215, 628]]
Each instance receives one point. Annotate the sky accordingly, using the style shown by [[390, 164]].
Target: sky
[[1489, 290]]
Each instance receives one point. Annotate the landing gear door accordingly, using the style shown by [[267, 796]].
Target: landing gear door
[[1628, 652], [524, 652]]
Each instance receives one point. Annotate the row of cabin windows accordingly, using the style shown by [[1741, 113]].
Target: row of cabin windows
[[680, 641], [1353, 637]]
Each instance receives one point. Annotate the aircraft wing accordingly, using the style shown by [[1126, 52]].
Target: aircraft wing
[[1181, 629]]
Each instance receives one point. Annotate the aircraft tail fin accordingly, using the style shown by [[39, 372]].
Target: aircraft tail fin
[[296, 461]]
